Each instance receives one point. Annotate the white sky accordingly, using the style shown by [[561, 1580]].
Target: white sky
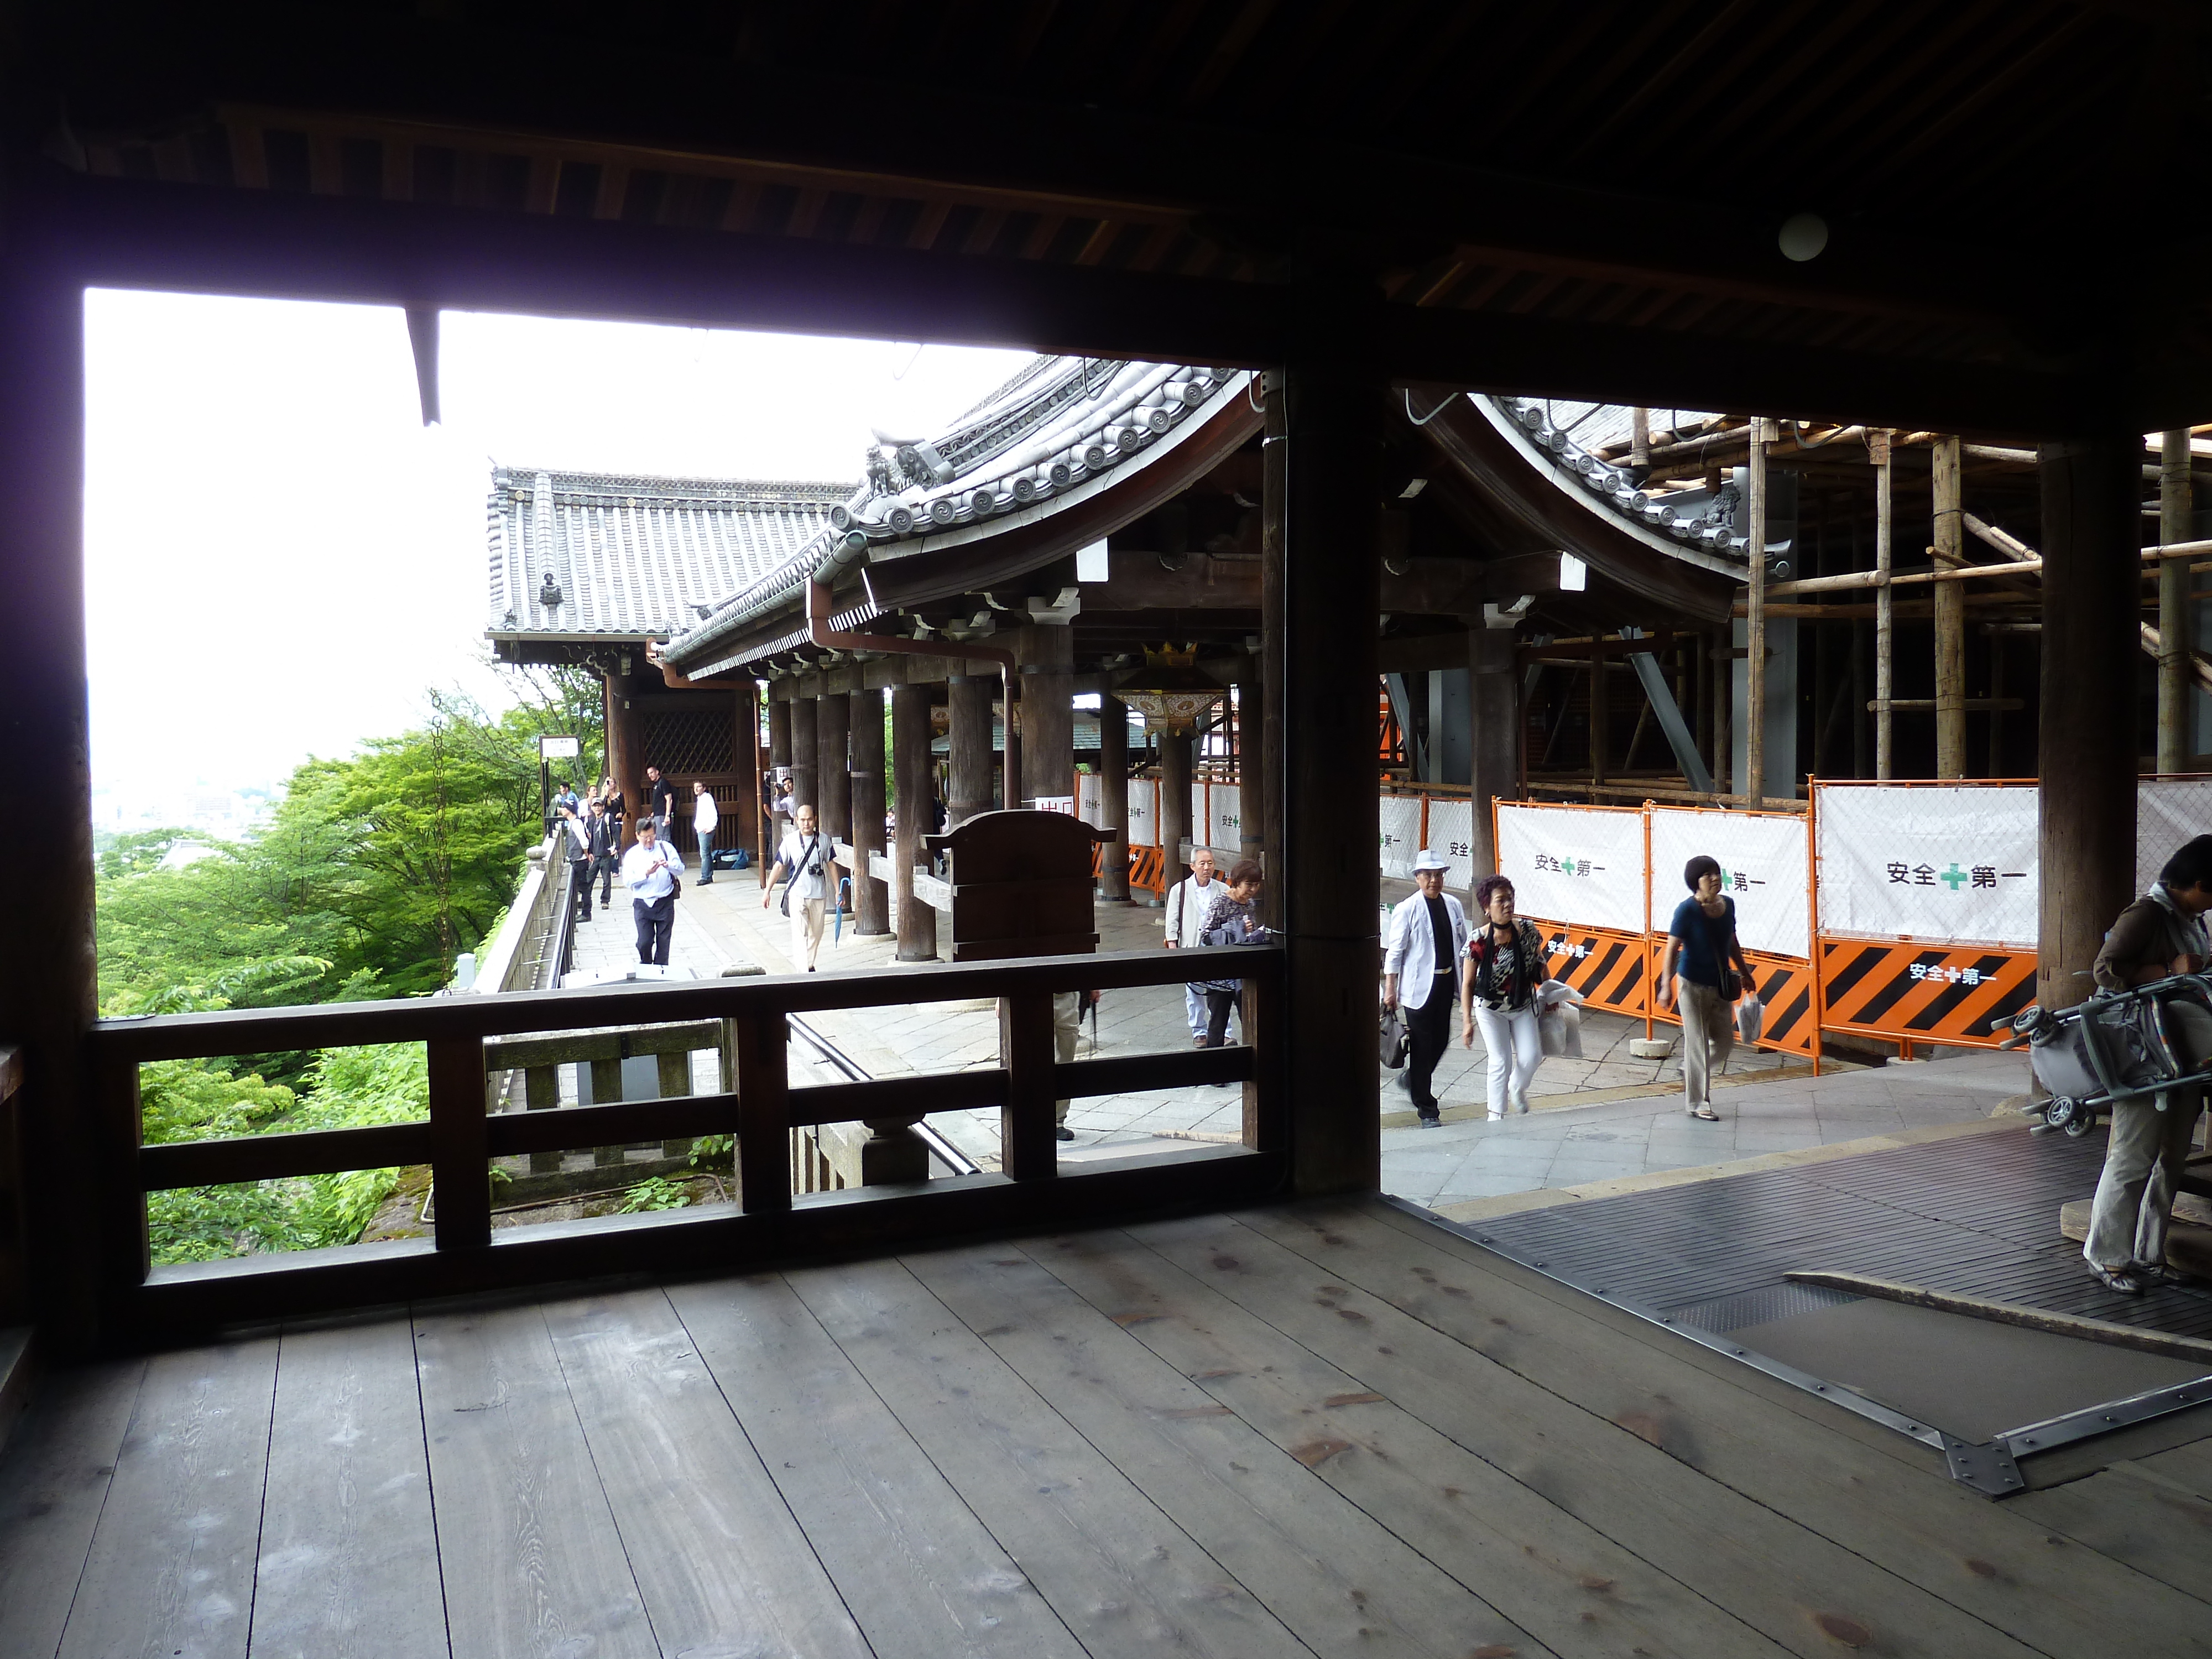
[[280, 558]]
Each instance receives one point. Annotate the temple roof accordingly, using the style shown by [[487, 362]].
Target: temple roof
[[600, 555], [1050, 437]]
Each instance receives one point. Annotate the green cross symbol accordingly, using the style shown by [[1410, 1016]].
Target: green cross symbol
[[1954, 875]]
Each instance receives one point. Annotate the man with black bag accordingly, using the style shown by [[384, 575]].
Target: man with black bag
[[576, 843], [2160, 935], [651, 870], [1421, 973], [807, 857]]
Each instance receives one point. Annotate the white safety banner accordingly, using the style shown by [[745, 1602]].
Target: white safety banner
[[1937, 861], [1225, 820], [1399, 835], [1451, 836], [1143, 823], [2167, 815], [1575, 864], [1087, 800], [1765, 868]]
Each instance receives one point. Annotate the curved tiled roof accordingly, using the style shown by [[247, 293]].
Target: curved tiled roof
[[632, 556], [1060, 424]]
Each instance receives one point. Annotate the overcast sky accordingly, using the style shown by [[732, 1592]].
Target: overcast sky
[[280, 556]]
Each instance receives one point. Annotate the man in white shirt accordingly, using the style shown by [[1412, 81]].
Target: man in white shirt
[[809, 860], [1189, 899], [705, 817], [649, 870], [1421, 974]]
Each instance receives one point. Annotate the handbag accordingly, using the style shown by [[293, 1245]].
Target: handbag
[[1394, 1040]]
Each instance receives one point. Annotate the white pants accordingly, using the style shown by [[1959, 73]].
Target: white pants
[[807, 916], [1066, 1027], [1194, 1009], [1515, 1050], [1708, 1038]]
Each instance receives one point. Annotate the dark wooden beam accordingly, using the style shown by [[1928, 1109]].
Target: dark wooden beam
[[130, 233]]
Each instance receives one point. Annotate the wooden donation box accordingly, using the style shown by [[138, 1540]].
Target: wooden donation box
[[1022, 885]]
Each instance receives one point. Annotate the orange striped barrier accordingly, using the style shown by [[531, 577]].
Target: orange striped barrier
[[1912, 992], [1608, 967], [1145, 865]]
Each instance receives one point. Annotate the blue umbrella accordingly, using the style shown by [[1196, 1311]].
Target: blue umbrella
[[844, 898]]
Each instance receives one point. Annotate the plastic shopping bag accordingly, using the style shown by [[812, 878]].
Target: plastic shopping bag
[[1750, 1019], [1559, 1020]]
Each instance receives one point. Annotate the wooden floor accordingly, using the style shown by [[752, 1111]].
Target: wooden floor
[[1328, 1429]]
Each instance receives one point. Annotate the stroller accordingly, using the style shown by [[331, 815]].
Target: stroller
[[2118, 1046]]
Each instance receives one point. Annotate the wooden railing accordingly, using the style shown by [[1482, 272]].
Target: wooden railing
[[461, 1135]]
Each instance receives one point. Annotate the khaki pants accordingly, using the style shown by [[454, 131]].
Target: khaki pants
[[1708, 1038], [806, 915], [2143, 1158], [1066, 1026]]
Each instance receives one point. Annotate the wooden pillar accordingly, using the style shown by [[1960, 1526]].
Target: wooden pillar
[[1601, 712], [745, 747], [833, 765], [779, 760], [1322, 670], [1948, 550], [1047, 757], [872, 899], [1174, 806], [805, 749], [917, 922], [2177, 505], [1723, 684], [1114, 798], [1494, 743], [626, 744], [1251, 725], [1884, 603], [967, 720], [1264, 772], [1752, 786], [47, 972], [2087, 758]]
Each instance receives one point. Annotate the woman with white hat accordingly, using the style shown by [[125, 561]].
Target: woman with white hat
[[1421, 973]]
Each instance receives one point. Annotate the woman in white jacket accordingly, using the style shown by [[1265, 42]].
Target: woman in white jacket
[[1421, 973]]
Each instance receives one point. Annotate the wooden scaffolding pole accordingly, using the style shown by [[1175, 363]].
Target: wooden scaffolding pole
[[1949, 552], [1752, 786], [2176, 506], [1885, 612]]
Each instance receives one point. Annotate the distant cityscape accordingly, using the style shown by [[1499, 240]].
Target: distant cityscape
[[217, 812]]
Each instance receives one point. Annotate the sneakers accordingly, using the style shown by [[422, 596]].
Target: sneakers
[[1064, 1133], [1432, 1121]]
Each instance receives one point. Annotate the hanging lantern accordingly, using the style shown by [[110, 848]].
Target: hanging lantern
[[1170, 691]]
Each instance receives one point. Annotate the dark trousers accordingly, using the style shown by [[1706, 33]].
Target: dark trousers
[[1218, 1005], [1428, 1030], [580, 886], [655, 922], [606, 869], [706, 858]]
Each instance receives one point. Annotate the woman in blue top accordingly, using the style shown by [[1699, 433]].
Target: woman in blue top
[[1705, 971]]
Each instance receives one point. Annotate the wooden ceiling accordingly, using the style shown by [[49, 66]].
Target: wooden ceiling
[[1575, 200]]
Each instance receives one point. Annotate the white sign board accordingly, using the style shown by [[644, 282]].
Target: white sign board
[[1937, 861], [1225, 820], [1087, 797], [1451, 836], [1575, 864], [1399, 836], [1764, 867], [554, 748], [2167, 815], [1063, 804], [1144, 822]]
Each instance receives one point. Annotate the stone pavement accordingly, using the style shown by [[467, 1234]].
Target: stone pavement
[[1604, 1117]]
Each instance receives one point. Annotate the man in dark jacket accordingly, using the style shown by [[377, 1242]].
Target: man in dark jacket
[[2160, 934], [605, 834], [576, 841]]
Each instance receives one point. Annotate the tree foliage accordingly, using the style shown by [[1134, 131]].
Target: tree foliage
[[368, 877]]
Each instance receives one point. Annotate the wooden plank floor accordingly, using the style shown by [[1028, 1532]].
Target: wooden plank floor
[[1325, 1429]]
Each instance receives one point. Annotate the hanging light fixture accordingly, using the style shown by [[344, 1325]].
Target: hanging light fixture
[[1170, 691]]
